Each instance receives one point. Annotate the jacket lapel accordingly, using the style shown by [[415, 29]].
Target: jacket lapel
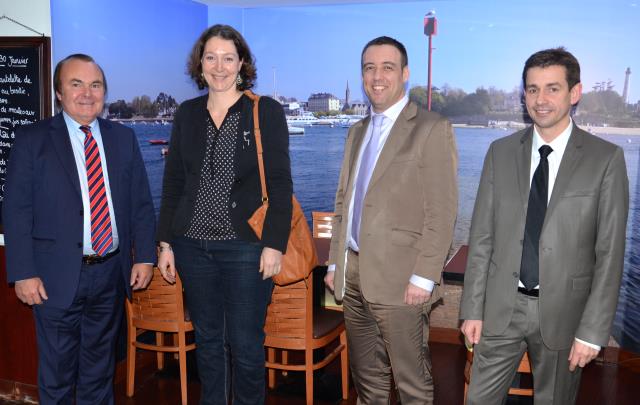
[[111, 156], [354, 143], [523, 166], [401, 129], [570, 159], [62, 144]]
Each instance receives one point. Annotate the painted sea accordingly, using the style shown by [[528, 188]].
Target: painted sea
[[316, 157]]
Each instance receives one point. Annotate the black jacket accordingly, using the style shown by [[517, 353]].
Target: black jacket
[[184, 165]]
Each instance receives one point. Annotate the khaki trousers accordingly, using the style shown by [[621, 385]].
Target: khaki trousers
[[496, 359], [386, 340]]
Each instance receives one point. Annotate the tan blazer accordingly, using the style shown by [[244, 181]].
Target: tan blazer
[[409, 209], [581, 244]]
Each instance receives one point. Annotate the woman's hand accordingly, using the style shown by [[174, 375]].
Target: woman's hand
[[270, 262], [166, 262]]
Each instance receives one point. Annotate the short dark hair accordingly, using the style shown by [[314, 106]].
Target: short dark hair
[[57, 86], [384, 40], [248, 71], [554, 57]]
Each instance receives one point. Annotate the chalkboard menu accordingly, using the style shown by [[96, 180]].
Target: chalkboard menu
[[25, 90]]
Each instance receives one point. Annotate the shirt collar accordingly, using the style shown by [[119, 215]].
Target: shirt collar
[[394, 111], [71, 123], [559, 144]]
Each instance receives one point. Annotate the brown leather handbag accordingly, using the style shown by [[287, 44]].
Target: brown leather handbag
[[301, 256]]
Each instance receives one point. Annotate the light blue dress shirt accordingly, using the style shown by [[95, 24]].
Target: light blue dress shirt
[[76, 136]]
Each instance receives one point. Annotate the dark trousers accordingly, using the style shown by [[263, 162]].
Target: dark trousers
[[76, 345], [227, 300], [386, 340], [496, 359]]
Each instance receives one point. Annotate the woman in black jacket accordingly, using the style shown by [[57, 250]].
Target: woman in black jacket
[[211, 187]]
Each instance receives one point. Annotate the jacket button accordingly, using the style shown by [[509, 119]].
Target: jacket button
[[79, 244], [520, 242], [514, 274], [233, 204], [81, 213]]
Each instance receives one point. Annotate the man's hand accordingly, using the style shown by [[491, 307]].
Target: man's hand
[[414, 295], [167, 263], [141, 274], [581, 355], [270, 262], [328, 279], [31, 291], [472, 329]]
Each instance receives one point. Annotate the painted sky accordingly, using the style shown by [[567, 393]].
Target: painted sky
[[143, 44]]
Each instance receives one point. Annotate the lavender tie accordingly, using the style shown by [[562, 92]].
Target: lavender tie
[[367, 164]]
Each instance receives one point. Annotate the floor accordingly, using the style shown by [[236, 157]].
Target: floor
[[606, 381]]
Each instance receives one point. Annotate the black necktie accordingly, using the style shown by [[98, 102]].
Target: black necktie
[[536, 210]]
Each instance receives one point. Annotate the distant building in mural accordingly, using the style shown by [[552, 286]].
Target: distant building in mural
[[360, 108], [323, 102], [347, 94]]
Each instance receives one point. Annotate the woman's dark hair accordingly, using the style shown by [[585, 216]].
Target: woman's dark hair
[[248, 69], [554, 57]]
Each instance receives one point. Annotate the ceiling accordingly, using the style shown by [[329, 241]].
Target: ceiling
[[282, 3]]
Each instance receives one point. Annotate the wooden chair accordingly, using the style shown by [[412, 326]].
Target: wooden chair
[[291, 324], [524, 368], [158, 308], [322, 224]]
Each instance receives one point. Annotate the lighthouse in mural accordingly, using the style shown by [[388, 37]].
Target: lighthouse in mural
[[625, 91]]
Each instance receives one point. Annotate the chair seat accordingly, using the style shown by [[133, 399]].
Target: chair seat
[[325, 321]]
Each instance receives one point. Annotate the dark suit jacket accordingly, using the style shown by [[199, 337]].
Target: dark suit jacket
[[581, 244], [409, 209], [43, 216], [184, 166]]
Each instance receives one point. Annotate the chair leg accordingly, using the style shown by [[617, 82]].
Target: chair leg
[[308, 372], [344, 366], [285, 360], [131, 360], [182, 359], [160, 355], [271, 357]]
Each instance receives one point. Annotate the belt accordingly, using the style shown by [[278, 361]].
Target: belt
[[355, 252], [97, 259], [531, 293]]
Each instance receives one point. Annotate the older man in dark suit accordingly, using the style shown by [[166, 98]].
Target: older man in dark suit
[[546, 244], [77, 214]]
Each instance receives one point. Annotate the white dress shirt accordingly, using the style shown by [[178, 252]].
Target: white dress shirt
[[76, 136], [559, 145]]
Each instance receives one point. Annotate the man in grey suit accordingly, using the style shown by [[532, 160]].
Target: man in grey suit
[[546, 244], [395, 209]]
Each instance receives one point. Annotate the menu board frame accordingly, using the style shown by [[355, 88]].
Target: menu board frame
[[42, 45]]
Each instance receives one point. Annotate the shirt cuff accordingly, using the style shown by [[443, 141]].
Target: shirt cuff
[[422, 282], [591, 345], [331, 267]]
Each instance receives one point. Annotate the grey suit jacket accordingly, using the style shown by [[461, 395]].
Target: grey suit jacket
[[409, 209], [581, 244]]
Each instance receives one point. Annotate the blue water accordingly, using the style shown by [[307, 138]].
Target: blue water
[[315, 162]]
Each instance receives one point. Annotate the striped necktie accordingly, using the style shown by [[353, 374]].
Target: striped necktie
[[101, 234]]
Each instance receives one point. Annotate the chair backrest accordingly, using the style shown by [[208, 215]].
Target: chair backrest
[[289, 320], [160, 302], [322, 225]]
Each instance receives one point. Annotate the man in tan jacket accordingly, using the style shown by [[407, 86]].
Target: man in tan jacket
[[395, 210]]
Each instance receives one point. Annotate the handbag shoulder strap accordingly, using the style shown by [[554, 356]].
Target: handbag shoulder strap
[[258, 136]]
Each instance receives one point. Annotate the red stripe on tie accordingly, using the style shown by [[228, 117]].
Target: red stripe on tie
[[101, 233]]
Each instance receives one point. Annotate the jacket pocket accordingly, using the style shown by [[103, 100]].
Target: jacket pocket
[[581, 283], [402, 237]]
